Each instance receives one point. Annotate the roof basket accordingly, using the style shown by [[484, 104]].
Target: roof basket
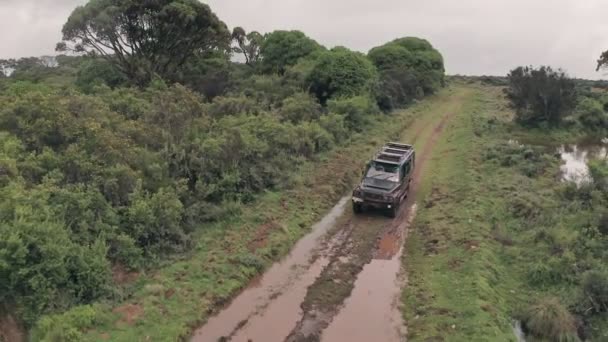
[[399, 146], [394, 153]]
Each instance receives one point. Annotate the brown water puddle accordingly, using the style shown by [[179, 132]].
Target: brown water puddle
[[372, 312], [274, 297]]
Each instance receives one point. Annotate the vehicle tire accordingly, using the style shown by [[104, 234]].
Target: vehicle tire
[[392, 212], [357, 208]]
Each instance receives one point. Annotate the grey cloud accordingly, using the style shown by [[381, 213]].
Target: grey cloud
[[475, 36]]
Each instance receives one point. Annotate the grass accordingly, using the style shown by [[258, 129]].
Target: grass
[[494, 232], [167, 304]]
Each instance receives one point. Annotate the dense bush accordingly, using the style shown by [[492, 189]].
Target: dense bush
[[66, 327], [410, 68], [95, 72], [282, 49], [95, 174], [595, 288], [342, 73], [300, 107], [591, 114], [549, 319], [356, 110], [541, 95]]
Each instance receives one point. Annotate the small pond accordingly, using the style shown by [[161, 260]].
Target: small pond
[[575, 159]]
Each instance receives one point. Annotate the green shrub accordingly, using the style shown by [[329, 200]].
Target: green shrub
[[548, 319], [98, 71], [342, 73], [67, 327], [599, 174], [335, 124], [356, 110], [541, 96], [595, 287], [591, 114], [282, 49], [397, 88], [300, 107], [233, 105], [410, 68]]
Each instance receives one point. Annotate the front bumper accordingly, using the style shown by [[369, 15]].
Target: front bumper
[[373, 204]]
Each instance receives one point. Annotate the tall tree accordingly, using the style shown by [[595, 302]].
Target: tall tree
[[144, 38], [342, 73], [247, 44], [282, 49]]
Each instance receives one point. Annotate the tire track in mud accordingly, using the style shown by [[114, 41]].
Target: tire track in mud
[[355, 297], [298, 298]]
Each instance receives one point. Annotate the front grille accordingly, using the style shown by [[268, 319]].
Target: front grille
[[373, 197]]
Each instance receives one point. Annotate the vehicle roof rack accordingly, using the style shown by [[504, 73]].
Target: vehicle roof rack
[[394, 153], [399, 146]]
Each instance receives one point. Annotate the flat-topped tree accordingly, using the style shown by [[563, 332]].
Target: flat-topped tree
[[145, 38]]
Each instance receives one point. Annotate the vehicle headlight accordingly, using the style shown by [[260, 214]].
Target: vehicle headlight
[[357, 192]]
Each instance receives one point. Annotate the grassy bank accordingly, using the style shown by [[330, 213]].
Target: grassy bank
[[167, 304], [498, 234]]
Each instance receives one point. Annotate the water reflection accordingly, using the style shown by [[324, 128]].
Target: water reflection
[[575, 158]]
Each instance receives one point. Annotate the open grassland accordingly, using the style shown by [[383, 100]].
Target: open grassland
[[498, 235]]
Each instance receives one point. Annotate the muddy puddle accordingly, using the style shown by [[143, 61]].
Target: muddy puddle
[[575, 159], [372, 311], [275, 296]]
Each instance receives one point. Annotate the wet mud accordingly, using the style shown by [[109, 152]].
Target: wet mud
[[343, 287]]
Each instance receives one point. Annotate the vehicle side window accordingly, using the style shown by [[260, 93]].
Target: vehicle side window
[[405, 170]]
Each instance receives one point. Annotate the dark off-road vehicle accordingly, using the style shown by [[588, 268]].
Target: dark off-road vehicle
[[386, 179]]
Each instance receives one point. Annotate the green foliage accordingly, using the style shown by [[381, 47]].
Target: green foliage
[[591, 114], [356, 110], [599, 173], [282, 49], [145, 38], [233, 105], [595, 288], [211, 75], [549, 319], [155, 220], [541, 95], [94, 174], [300, 107], [96, 72], [66, 327], [410, 68], [247, 44], [43, 267], [342, 73]]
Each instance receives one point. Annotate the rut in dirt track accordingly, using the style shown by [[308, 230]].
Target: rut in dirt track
[[341, 288]]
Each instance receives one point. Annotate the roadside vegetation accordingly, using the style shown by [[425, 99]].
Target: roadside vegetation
[[130, 167], [499, 236]]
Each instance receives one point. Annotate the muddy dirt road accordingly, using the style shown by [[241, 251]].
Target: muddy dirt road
[[341, 282]]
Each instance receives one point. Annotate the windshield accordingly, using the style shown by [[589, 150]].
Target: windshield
[[382, 175]]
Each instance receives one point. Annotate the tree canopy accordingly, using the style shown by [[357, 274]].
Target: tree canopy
[[144, 38], [282, 49], [342, 73], [541, 95], [409, 67], [247, 44]]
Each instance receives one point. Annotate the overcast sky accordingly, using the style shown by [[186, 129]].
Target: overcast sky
[[475, 36]]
